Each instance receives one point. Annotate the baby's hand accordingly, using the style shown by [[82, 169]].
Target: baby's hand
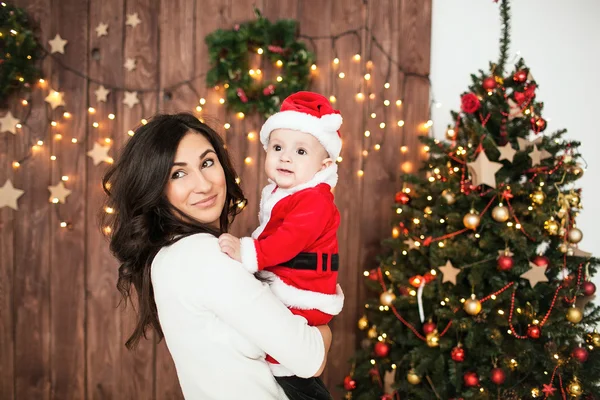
[[230, 245]]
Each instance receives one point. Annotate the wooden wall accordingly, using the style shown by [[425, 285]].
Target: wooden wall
[[61, 333]]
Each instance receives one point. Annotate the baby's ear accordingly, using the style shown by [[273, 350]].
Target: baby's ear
[[326, 163]]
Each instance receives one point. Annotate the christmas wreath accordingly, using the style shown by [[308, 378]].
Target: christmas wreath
[[19, 51], [246, 89]]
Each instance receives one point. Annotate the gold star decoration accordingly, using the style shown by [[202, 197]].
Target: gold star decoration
[[55, 99], [514, 110], [131, 99], [483, 171], [535, 274], [505, 252], [8, 123], [101, 94], [9, 195], [133, 20], [412, 245], [59, 193], [57, 45], [129, 64], [506, 152], [102, 29], [99, 153], [449, 272]]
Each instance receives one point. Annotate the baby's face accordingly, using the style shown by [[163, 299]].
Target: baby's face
[[294, 157]]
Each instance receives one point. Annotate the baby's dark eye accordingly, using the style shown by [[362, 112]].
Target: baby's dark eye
[[301, 152], [277, 147]]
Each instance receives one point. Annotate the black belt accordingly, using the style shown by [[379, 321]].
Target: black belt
[[308, 261]]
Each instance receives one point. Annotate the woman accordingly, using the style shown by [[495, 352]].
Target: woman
[[173, 190]]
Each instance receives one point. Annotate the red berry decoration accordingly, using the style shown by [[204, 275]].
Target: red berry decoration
[[588, 288], [402, 198], [497, 376], [538, 124], [520, 76], [429, 327], [534, 332], [489, 83], [349, 383], [541, 261], [382, 349], [580, 354], [505, 263], [458, 354], [471, 379]]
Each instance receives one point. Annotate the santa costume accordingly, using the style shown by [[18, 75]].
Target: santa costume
[[295, 246]]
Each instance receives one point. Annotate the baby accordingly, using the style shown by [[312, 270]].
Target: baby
[[295, 247]]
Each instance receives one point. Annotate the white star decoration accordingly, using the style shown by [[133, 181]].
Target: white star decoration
[[55, 99], [8, 123], [57, 45], [102, 29], [9, 195], [101, 94], [129, 64], [133, 20], [99, 153], [131, 99], [59, 192]]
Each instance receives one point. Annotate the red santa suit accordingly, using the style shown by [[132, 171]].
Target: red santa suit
[[295, 246]]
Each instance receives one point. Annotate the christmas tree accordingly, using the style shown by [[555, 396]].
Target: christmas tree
[[482, 291]]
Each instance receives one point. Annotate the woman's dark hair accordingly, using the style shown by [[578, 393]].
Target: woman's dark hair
[[142, 219]]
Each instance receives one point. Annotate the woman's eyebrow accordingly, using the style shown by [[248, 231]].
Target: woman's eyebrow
[[183, 164]]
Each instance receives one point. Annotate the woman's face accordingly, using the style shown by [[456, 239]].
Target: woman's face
[[197, 183]]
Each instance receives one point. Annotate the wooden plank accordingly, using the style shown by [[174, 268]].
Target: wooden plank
[[31, 300], [103, 325], [177, 30], [137, 367], [67, 246]]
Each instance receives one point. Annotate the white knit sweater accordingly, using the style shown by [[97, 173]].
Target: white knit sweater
[[219, 322]]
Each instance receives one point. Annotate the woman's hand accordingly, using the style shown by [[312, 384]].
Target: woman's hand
[[230, 245], [327, 336]]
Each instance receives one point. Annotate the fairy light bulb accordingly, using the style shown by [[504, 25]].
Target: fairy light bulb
[[398, 102], [67, 114], [382, 125], [144, 121], [53, 158], [377, 146], [360, 173], [356, 57], [360, 96], [202, 101], [227, 125], [74, 140], [64, 178], [16, 164], [332, 99], [241, 115], [386, 103], [279, 63], [367, 133], [221, 101], [313, 67], [107, 140], [260, 50], [95, 124], [91, 110], [24, 102], [248, 160], [130, 132], [367, 77], [387, 85], [279, 79], [401, 123], [198, 108], [251, 136], [336, 61], [342, 75], [111, 116], [404, 149]]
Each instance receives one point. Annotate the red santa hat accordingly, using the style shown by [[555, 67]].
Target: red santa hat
[[310, 113]]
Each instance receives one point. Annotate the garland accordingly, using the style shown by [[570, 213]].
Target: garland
[[246, 89], [19, 51]]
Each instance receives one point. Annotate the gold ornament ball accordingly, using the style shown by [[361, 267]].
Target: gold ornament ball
[[433, 339], [573, 199], [372, 333], [449, 197], [363, 323], [535, 392], [577, 170], [387, 298], [538, 197], [472, 306], [574, 315], [500, 213], [471, 220], [594, 339], [574, 388], [574, 235], [413, 378], [551, 226]]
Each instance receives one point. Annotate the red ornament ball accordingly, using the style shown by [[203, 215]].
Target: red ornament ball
[[534, 332], [541, 261], [588, 288], [489, 83], [382, 349], [402, 198], [538, 124], [349, 383], [458, 354], [429, 327], [520, 76], [580, 354], [497, 376], [505, 263], [471, 379], [373, 275]]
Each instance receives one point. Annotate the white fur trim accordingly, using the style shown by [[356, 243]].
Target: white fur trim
[[324, 128], [302, 299], [280, 370], [268, 199], [248, 253]]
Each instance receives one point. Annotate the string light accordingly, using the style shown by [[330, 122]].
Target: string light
[[18, 126], [16, 164], [377, 146], [401, 123], [130, 132], [144, 121], [260, 50], [40, 142], [227, 125], [356, 57], [91, 110], [313, 67], [24, 102], [279, 79], [404, 149], [198, 108], [372, 96], [332, 99], [360, 173], [279, 63], [339, 159], [387, 85], [53, 158], [342, 75], [367, 133], [336, 61], [64, 178], [360, 96], [365, 153], [111, 116], [367, 77], [63, 224], [248, 160], [95, 124], [53, 123], [251, 136], [67, 114], [107, 140], [109, 210], [222, 100], [386, 103], [202, 101], [398, 102], [382, 125]]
